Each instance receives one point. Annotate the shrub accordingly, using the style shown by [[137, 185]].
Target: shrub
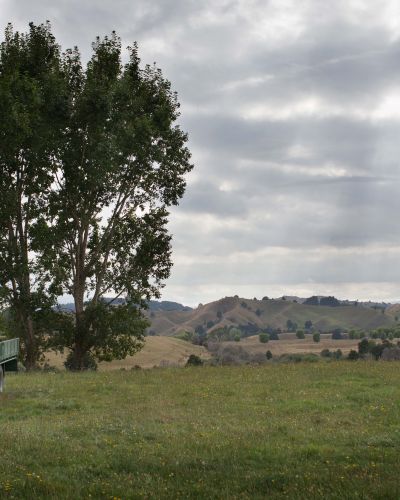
[[316, 337], [258, 312], [268, 354], [232, 355], [338, 354], [194, 360], [363, 346], [353, 355], [297, 358], [263, 337], [234, 334], [337, 334], [300, 334], [391, 354], [326, 353], [89, 363], [258, 358]]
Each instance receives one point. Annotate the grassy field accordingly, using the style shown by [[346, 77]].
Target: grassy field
[[157, 351], [163, 351], [289, 344], [320, 430]]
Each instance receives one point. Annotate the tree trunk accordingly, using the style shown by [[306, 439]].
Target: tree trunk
[[31, 352]]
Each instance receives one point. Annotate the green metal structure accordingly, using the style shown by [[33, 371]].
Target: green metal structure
[[9, 350]]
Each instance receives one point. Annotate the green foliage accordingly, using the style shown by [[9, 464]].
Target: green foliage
[[268, 354], [184, 335], [353, 355], [316, 337], [291, 325], [297, 358], [366, 347], [337, 334], [300, 334], [263, 337], [33, 110], [363, 346], [194, 360], [88, 362], [326, 353]]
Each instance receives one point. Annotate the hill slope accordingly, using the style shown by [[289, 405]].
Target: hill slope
[[234, 311]]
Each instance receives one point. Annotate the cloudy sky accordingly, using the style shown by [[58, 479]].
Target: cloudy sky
[[293, 112]]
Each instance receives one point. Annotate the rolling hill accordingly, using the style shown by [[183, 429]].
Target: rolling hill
[[235, 311]]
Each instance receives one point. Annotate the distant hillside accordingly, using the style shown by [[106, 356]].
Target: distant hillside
[[166, 305], [394, 311], [154, 305], [235, 311]]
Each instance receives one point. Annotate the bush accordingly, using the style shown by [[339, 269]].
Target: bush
[[234, 334], [263, 337], [364, 346], [194, 360], [300, 334], [297, 358], [326, 353], [268, 355], [232, 355], [391, 354], [338, 354], [89, 363], [258, 358], [353, 355], [316, 337]]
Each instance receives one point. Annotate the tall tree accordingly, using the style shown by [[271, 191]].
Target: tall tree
[[32, 113], [122, 164]]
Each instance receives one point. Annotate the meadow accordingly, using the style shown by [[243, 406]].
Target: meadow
[[306, 430]]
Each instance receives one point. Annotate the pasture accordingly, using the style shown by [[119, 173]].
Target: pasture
[[319, 430]]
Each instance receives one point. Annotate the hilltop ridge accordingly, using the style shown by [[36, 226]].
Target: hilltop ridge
[[275, 313]]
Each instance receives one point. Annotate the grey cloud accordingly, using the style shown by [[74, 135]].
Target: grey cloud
[[296, 181]]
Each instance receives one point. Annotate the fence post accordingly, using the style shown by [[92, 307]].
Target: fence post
[[1, 378]]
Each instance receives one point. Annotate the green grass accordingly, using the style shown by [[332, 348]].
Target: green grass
[[322, 430]]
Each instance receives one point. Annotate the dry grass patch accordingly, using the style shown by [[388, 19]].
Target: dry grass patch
[[157, 351]]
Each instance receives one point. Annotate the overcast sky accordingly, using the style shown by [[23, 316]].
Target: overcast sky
[[293, 113]]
